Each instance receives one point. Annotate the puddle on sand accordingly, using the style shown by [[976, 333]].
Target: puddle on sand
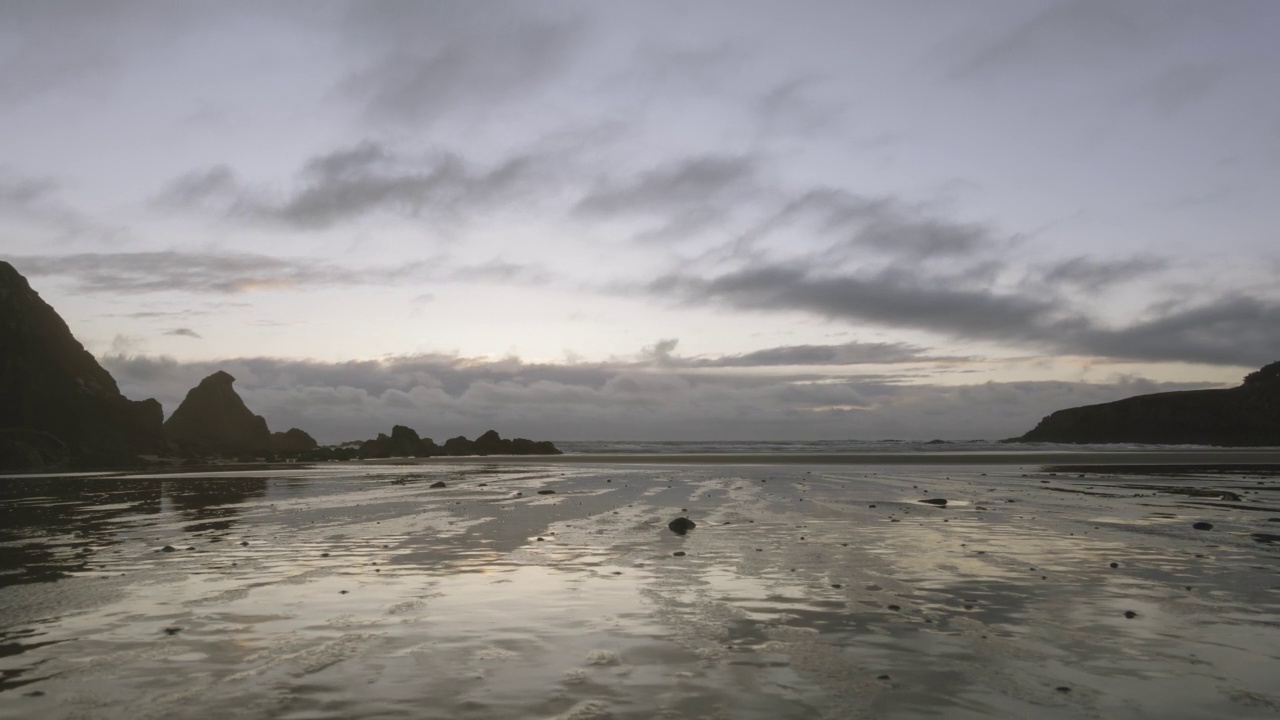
[[320, 595]]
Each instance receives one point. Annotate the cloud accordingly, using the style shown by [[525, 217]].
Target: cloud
[[1093, 275], [235, 273], [183, 332], [425, 61], [853, 353], [1230, 330], [365, 179], [442, 396], [216, 273]]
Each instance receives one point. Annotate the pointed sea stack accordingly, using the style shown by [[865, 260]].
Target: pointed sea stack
[[1244, 416], [214, 419], [57, 404]]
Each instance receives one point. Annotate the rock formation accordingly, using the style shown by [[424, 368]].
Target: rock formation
[[1248, 415], [292, 442], [57, 404], [404, 442], [213, 419]]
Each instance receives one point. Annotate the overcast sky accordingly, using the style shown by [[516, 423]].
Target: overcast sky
[[906, 218]]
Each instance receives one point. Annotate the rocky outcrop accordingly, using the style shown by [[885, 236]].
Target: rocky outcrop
[[213, 419], [52, 386], [1248, 415], [292, 442], [404, 442]]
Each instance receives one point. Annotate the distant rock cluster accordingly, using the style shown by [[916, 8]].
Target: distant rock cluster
[[1243, 416], [405, 442]]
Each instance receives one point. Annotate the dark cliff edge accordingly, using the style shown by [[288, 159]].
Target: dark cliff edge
[[1244, 416], [58, 406]]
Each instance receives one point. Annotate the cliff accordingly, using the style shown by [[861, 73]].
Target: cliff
[[213, 418], [1248, 415], [57, 404]]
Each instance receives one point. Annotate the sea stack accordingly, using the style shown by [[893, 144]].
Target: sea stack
[[57, 404], [1243, 416], [214, 419]]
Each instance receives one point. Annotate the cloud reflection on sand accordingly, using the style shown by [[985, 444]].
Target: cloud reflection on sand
[[363, 592]]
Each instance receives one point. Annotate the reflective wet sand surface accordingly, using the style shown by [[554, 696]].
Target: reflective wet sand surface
[[805, 591]]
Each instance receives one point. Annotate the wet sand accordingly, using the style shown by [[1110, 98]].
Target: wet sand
[[806, 590]]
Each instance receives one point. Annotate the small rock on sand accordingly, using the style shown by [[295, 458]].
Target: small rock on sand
[[681, 525], [437, 484], [546, 492], [940, 502], [678, 553], [1203, 526]]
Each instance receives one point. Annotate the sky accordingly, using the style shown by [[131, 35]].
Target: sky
[[651, 220]]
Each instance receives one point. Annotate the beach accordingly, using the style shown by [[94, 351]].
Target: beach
[[1048, 586]]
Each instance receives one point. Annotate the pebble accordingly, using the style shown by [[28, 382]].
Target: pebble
[[546, 492], [940, 502], [1130, 614], [681, 525], [678, 553], [437, 484], [1203, 526]]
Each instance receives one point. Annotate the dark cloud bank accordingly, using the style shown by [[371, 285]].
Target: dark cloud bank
[[661, 396]]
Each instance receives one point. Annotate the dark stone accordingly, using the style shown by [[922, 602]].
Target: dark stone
[[292, 442], [1203, 526], [940, 502], [1130, 614], [1115, 565], [172, 630], [546, 492], [213, 418], [1247, 415], [678, 553], [438, 484], [168, 548], [894, 608], [58, 406], [681, 525]]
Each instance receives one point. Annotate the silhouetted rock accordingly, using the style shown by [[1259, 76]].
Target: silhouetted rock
[[1248, 415], [438, 484], [1203, 526], [681, 525], [214, 419], [50, 384], [940, 502], [292, 442]]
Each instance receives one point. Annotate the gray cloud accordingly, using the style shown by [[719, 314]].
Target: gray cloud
[[183, 332], [1228, 331], [218, 273], [232, 273], [685, 197], [853, 353], [362, 180], [1094, 275], [424, 60]]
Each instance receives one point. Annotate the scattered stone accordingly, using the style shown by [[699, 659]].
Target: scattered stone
[[168, 548], [681, 525], [546, 492], [1130, 614], [342, 592], [836, 585], [244, 543], [172, 630], [541, 539], [437, 484], [324, 554], [678, 553], [894, 608], [882, 677], [1115, 565], [940, 502], [1063, 689], [1203, 526]]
